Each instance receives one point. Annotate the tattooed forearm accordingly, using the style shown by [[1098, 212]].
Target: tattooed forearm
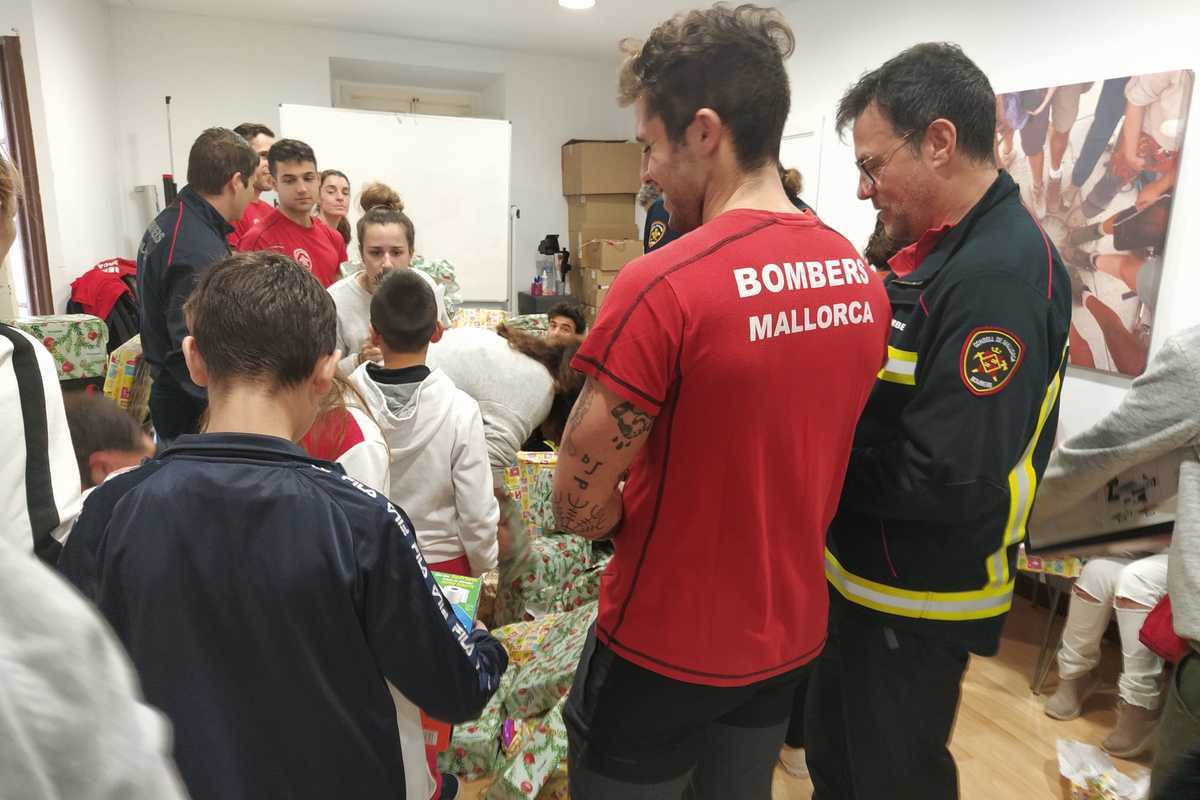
[[582, 405], [576, 514], [631, 424]]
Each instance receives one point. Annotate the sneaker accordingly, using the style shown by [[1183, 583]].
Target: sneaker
[[1134, 731], [449, 787], [1067, 701], [793, 762]]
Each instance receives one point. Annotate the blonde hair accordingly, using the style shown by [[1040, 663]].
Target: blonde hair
[[381, 205], [10, 186]]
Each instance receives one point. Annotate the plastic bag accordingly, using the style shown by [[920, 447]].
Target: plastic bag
[[1093, 776]]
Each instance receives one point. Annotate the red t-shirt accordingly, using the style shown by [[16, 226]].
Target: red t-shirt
[[754, 341], [318, 247], [250, 217]]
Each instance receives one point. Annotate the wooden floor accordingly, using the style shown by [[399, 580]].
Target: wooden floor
[[1003, 743]]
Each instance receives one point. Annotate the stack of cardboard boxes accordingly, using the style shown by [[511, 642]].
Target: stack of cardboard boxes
[[600, 182], [599, 264]]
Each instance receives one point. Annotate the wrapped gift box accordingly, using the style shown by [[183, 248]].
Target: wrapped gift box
[[479, 318], [537, 760], [530, 484], [78, 342], [530, 323], [475, 746], [549, 650], [546, 579], [128, 380], [1062, 566]]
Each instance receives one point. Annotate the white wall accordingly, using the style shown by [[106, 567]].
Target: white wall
[[77, 96], [222, 72], [1021, 44]]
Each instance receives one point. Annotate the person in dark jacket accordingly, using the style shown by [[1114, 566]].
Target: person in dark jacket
[[953, 441], [266, 598], [182, 242]]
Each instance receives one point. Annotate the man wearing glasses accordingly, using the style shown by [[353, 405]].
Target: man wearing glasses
[[954, 438]]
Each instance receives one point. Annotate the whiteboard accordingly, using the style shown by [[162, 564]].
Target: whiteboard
[[451, 172]]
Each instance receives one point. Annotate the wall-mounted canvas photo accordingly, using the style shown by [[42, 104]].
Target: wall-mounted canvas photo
[[1098, 163]]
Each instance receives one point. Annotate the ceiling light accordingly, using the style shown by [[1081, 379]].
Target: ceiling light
[[577, 5]]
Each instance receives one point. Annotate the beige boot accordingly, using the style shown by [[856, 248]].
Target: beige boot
[[793, 762], [1067, 701], [1133, 732]]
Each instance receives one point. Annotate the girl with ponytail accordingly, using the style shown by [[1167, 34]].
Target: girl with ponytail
[[386, 239]]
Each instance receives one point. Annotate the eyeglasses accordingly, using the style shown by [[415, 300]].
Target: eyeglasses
[[869, 171]]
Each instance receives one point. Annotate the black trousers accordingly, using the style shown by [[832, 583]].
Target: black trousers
[[173, 410], [637, 735], [880, 710]]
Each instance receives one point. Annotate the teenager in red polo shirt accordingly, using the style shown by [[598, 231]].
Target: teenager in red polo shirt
[[726, 373], [260, 138], [291, 229]]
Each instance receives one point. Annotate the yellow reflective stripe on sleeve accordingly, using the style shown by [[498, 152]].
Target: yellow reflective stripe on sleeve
[[991, 601], [1022, 486], [901, 367]]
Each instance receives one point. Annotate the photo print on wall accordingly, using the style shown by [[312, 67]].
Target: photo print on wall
[[1097, 163]]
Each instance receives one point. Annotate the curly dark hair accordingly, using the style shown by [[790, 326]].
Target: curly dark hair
[[555, 355], [727, 59]]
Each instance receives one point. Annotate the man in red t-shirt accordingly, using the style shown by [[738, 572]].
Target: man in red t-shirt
[[291, 229], [260, 137], [726, 372]]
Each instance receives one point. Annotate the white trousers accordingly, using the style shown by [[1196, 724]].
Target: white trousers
[[1108, 580]]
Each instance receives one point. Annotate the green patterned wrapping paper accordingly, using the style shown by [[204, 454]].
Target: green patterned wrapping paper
[[537, 324], [475, 746], [547, 651], [78, 342], [441, 271], [553, 576], [536, 761]]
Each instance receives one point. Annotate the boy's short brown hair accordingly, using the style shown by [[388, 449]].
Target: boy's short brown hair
[[404, 311], [261, 317]]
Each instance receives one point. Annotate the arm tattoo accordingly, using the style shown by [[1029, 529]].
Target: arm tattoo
[[582, 405], [631, 424], [577, 515], [582, 482]]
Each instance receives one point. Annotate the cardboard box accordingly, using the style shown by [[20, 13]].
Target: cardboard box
[[578, 237], [589, 315], [609, 254], [587, 210], [593, 285], [590, 167]]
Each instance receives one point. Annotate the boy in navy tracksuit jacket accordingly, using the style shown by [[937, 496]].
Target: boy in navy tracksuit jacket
[[265, 596]]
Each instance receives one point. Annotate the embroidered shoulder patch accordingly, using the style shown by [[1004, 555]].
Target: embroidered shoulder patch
[[990, 357], [657, 230]]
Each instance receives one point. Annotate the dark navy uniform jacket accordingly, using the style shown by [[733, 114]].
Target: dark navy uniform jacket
[[180, 244], [264, 597], [958, 430]]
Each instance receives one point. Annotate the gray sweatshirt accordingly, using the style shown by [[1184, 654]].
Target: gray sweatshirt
[[1159, 416], [514, 392]]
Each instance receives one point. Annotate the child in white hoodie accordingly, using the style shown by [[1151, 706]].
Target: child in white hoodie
[[438, 468]]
